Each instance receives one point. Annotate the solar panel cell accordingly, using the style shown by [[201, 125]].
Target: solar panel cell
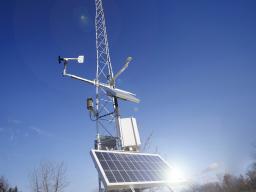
[[118, 176], [125, 176], [106, 156], [110, 176]]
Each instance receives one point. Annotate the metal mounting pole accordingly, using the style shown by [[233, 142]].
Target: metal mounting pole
[[132, 189], [170, 189]]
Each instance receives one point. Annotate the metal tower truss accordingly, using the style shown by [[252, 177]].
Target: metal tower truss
[[106, 113]]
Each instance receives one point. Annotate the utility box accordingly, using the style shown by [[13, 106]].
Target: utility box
[[129, 133]]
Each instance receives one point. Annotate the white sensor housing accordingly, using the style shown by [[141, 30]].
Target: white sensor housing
[[80, 59]]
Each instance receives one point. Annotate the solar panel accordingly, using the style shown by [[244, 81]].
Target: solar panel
[[121, 170], [114, 92]]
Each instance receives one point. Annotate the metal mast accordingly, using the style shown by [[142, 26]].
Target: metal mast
[[106, 106]]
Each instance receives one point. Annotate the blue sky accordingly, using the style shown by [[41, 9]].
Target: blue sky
[[193, 69]]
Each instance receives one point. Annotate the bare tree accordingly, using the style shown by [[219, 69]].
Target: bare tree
[[49, 177], [147, 144], [4, 186], [252, 176], [59, 178], [35, 182]]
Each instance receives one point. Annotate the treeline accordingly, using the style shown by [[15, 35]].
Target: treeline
[[230, 183], [4, 186]]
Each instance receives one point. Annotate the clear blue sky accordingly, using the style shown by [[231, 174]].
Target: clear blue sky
[[193, 69]]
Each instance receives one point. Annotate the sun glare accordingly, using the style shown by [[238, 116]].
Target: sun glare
[[176, 176]]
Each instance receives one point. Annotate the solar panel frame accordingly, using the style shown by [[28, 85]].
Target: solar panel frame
[[127, 96], [107, 177]]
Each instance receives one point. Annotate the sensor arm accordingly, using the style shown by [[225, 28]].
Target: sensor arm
[[92, 82], [110, 90], [128, 60], [80, 59]]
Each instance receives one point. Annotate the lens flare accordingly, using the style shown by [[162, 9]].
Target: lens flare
[[176, 176]]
